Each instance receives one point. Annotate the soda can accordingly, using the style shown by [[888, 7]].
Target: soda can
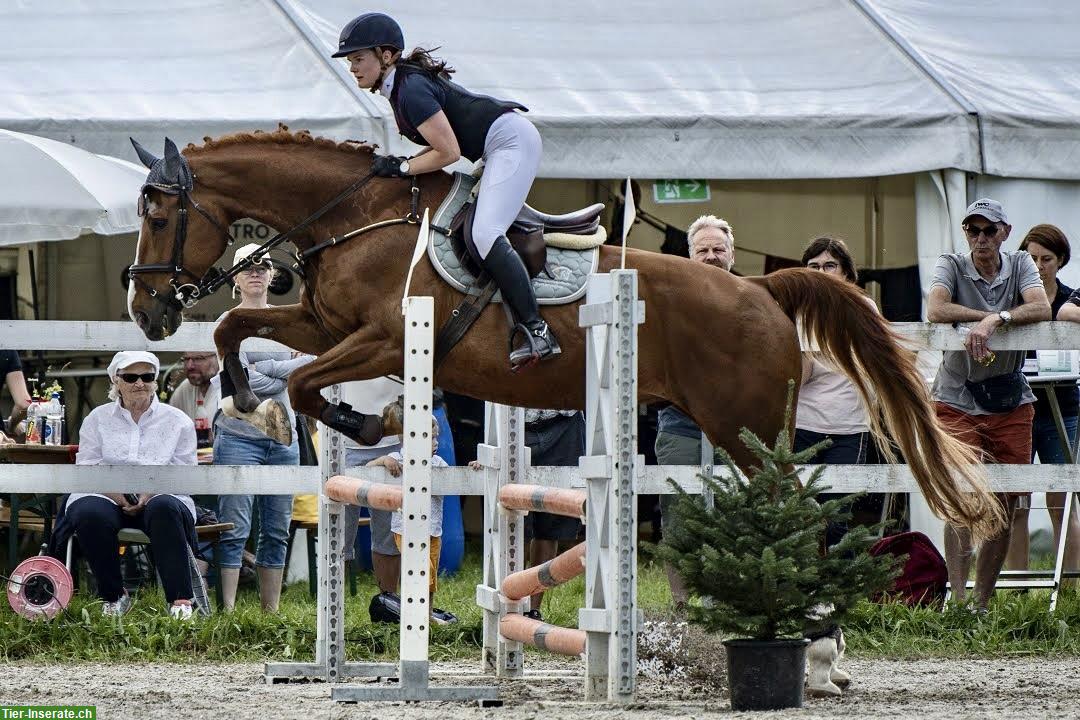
[[53, 430]]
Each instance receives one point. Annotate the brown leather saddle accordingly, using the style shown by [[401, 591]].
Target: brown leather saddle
[[526, 234]]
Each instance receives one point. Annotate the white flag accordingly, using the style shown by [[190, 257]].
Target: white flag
[[418, 252], [628, 217]]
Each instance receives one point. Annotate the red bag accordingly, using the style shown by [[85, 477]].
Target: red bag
[[924, 577]]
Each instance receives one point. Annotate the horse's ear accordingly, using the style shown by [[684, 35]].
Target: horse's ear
[[145, 156], [173, 161]]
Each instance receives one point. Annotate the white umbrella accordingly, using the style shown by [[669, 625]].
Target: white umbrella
[[53, 191]]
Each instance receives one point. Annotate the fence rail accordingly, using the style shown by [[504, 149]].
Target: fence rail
[[199, 336], [284, 480]]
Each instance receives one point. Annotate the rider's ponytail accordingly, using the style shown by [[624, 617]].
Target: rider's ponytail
[[423, 59]]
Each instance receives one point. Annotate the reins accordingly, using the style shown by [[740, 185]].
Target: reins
[[187, 294]]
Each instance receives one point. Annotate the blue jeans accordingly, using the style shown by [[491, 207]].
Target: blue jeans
[[275, 511], [1046, 443]]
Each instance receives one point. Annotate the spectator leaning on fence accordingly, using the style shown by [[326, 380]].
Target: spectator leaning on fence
[[1049, 248], [983, 396], [711, 241], [136, 429]]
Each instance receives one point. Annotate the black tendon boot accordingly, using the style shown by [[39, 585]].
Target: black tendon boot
[[364, 429], [505, 267]]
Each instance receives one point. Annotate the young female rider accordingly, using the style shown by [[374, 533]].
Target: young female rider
[[452, 122]]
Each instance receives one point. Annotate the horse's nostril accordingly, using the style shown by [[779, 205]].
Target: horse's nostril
[[142, 320]]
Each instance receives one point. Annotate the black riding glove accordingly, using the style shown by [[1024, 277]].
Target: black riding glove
[[388, 166]]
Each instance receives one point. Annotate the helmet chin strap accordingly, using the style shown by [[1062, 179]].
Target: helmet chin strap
[[383, 67]]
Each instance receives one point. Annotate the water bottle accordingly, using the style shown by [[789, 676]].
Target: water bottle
[[54, 420], [33, 427]]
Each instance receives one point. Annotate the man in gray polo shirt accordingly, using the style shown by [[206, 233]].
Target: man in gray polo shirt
[[994, 289]]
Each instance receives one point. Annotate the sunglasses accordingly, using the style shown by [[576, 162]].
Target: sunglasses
[[131, 378], [827, 267], [195, 358], [974, 231]]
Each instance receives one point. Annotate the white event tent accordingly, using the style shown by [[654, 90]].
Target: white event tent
[[718, 89]]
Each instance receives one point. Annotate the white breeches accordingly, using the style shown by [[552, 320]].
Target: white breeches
[[512, 152]]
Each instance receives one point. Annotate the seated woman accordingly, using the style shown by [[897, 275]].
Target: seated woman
[[136, 429]]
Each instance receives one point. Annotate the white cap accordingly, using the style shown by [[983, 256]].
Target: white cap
[[126, 358], [245, 250]]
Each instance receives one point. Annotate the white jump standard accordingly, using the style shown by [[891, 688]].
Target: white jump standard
[[608, 623], [415, 626]]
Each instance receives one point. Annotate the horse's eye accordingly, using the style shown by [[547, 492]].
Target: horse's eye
[[159, 223]]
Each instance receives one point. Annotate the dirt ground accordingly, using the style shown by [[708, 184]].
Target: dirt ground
[[1025, 688]]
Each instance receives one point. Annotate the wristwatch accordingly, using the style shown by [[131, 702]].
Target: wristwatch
[[403, 168], [1006, 317]]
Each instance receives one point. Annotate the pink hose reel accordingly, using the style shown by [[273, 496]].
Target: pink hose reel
[[40, 587]]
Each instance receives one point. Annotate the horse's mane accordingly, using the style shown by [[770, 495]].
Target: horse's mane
[[281, 136]]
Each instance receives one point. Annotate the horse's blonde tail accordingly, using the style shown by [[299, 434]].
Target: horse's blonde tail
[[860, 343]]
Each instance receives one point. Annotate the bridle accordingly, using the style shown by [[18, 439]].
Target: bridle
[[186, 294]]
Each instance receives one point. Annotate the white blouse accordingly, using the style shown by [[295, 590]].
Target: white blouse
[[164, 435]]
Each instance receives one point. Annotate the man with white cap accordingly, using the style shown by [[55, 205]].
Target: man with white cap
[[982, 396], [136, 429]]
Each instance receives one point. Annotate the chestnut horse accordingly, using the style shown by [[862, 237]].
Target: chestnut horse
[[720, 347]]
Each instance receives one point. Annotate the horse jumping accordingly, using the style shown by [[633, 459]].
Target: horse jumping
[[720, 347]]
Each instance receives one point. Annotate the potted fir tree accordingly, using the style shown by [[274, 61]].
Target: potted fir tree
[[757, 554]]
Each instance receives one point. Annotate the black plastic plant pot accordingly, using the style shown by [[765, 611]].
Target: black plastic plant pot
[[766, 674]]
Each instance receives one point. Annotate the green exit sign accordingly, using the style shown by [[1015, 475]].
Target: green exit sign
[[681, 191]]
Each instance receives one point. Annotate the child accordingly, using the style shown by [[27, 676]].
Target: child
[[392, 463]]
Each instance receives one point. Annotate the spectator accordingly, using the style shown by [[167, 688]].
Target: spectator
[[199, 394], [370, 397], [711, 241], [11, 370], [136, 429], [829, 405], [982, 396], [394, 412], [555, 437], [1049, 248], [238, 442]]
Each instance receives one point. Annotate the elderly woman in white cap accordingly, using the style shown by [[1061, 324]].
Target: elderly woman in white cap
[[136, 429], [237, 441]]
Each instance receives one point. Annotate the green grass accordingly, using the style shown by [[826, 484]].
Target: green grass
[[1018, 624]]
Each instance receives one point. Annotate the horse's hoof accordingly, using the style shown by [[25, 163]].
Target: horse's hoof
[[839, 677], [272, 418]]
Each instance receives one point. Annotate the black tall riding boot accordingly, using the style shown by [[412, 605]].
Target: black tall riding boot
[[506, 268]]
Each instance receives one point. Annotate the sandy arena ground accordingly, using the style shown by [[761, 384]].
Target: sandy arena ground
[[1025, 688]]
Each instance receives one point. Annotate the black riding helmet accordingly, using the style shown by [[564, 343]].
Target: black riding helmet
[[370, 30]]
